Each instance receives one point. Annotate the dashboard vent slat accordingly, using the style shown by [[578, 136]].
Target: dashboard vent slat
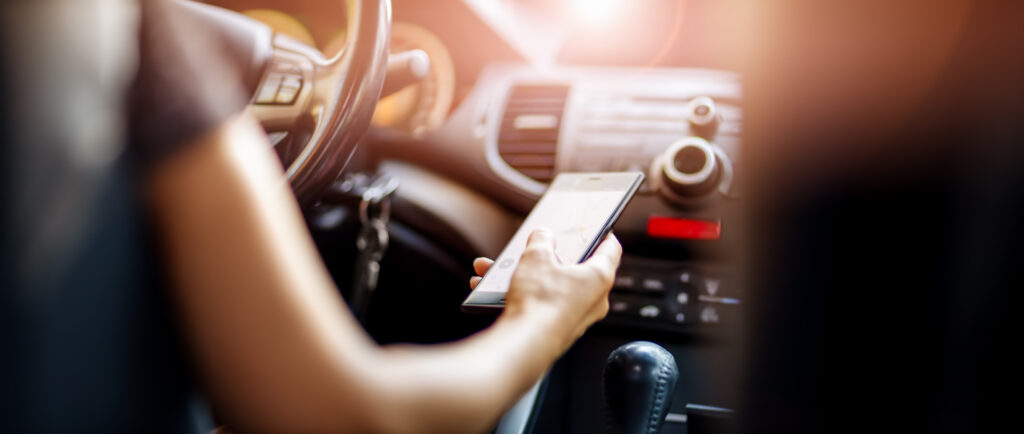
[[527, 148], [510, 135], [531, 160], [530, 125]]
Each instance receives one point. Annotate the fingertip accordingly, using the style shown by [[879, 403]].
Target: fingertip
[[474, 281], [610, 246], [540, 246], [481, 265], [610, 250], [541, 235]]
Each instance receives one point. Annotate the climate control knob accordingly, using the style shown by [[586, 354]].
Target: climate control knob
[[690, 168]]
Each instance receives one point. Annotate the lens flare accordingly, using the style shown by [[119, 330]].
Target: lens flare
[[594, 12]]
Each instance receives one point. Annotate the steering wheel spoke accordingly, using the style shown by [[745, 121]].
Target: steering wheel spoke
[[322, 106], [286, 88], [297, 85]]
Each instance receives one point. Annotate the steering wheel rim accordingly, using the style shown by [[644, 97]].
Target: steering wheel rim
[[337, 97]]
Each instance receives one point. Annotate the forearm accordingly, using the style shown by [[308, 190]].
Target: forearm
[[274, 343], [465, 386]]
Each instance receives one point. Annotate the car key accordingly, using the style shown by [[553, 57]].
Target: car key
[[372, 241]]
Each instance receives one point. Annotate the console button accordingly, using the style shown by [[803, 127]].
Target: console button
[[682, 298], [683, 229], [652, 284], [717, 287], [650, 311], [717, 313], [709, 314], [712, 285], [618, 306], [624, 281], [703, 116], [686, 276]]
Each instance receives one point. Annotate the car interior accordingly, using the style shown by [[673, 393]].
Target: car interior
[[417, 135], [482, 104]]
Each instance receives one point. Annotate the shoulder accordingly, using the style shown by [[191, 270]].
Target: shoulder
[[187, 82]]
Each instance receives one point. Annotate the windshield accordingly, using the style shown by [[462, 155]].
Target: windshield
[[693, 33]]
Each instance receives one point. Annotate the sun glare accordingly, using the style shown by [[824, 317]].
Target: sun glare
[[595, 12]]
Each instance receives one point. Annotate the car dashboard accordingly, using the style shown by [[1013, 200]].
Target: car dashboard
[[476, 142], [521, 126], [677, 285]]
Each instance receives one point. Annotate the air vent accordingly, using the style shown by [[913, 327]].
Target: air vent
[[528, 139]]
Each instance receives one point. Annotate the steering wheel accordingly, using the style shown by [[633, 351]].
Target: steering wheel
[[322, 105]]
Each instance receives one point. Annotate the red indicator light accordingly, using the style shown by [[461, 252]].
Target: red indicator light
[[683, 229]]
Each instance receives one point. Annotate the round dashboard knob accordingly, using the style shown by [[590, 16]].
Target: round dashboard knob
[[690, 167], [703, 116]]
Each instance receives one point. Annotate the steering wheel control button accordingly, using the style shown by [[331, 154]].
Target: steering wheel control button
[[279, 88], [285, 66], [286, 96], [292, 81], [268, 91], [291, 85]]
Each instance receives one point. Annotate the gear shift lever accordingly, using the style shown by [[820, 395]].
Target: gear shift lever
[[639, 379]]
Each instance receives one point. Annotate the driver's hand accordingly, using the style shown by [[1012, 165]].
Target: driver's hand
[[573, 296]]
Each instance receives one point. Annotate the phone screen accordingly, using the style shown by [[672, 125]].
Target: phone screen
[[577, 208]]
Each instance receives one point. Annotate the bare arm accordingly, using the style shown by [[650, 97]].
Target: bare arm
[[276, 346]]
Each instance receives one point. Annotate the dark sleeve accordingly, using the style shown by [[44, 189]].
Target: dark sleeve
[[186, 83]]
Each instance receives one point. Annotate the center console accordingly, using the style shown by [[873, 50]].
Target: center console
[[682, 127], [677, 285]]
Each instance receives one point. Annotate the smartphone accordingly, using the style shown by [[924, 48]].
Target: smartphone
[[579, 209]]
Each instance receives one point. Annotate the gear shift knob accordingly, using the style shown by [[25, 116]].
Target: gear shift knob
[[639, 379]]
